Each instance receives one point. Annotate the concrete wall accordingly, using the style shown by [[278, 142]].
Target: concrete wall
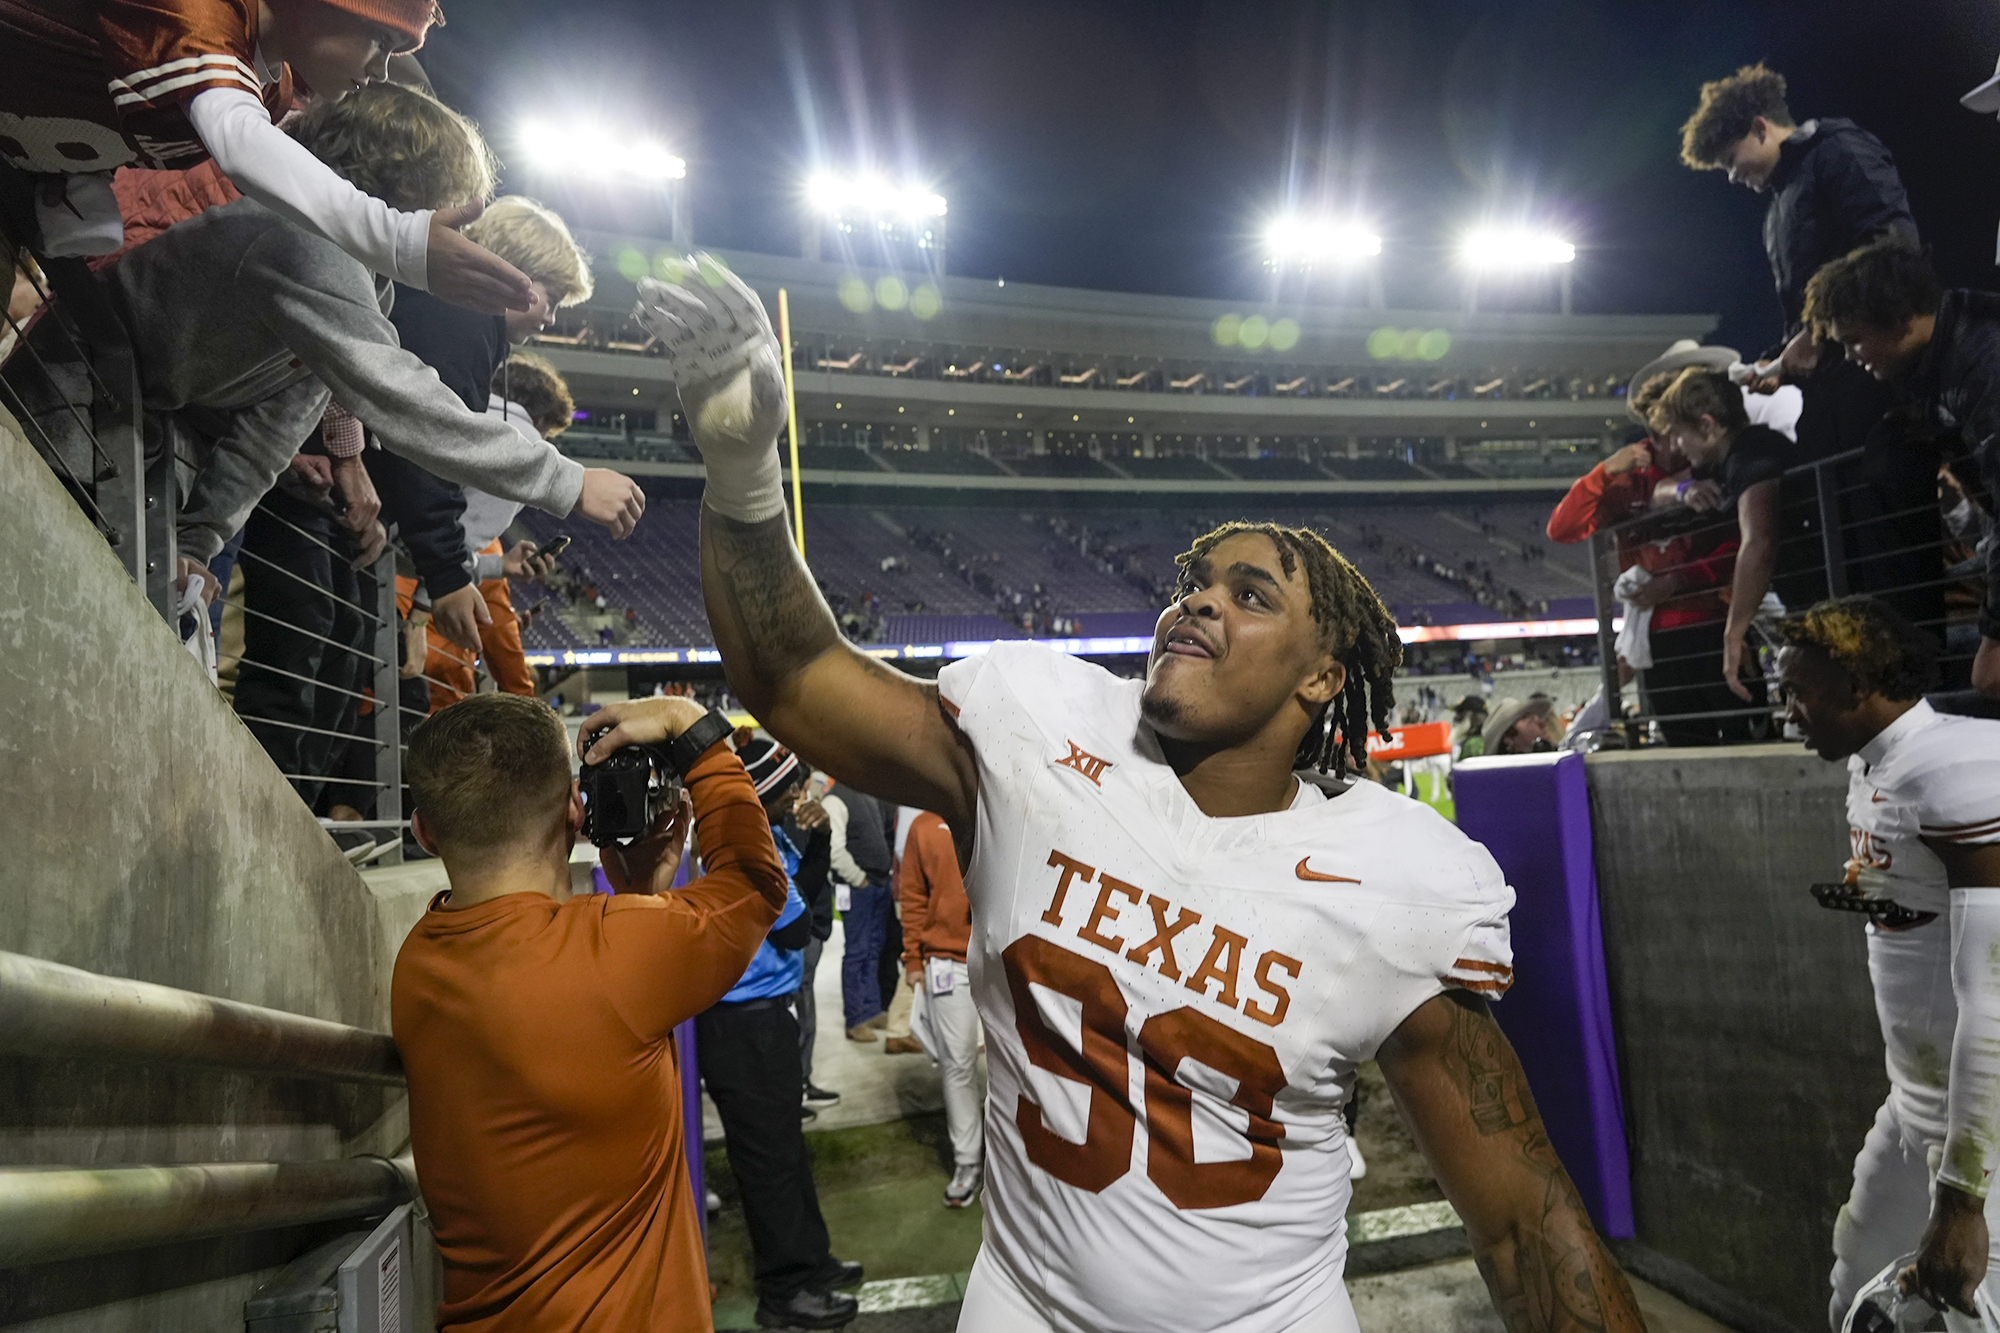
[[1751, 1058], [148, 836]]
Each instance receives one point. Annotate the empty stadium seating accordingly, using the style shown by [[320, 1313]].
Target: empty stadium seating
[[929, 574]]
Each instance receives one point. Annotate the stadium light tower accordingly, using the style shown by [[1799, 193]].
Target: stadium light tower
[[1501, 250], [592, 151], [917, 210], [1295, 242]]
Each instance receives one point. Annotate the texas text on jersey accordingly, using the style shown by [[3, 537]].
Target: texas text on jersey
[[1176, 1005]]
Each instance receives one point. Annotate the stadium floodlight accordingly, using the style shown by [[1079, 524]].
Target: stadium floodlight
[[1300, 240], [592, 150], [871, 196], [1495, 248]]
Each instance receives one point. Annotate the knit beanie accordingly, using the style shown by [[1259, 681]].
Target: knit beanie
[[411, 18], [768, 763]]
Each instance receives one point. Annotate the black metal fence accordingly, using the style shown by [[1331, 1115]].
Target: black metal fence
[[321, 676], [1867, 521]]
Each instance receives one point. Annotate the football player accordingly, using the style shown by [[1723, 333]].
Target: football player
[[1923, 813], [1186, 934]]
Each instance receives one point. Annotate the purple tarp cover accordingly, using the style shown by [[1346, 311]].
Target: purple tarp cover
[[1533, 814]]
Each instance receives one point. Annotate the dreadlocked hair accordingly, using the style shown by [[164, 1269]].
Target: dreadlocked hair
[[1354, 626]]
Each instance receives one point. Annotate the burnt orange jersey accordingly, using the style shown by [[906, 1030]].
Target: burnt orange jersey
[[93, 85]]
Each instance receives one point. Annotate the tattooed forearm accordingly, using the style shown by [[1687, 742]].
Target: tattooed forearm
[[768, 617], [1552, 1272], [1535, 1245]]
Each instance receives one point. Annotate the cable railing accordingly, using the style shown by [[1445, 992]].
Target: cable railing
[[318, 680], [1855, 522], [73, 384], [322, 676]]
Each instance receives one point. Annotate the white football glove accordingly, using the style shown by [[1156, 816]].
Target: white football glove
[[728, 367]]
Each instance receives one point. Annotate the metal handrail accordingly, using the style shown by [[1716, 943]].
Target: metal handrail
[[48, 1009], [66, 1213], [1828, 536]]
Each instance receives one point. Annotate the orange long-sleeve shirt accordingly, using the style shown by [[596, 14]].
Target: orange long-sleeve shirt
[[937, 916], [1599, 499], [545, 1101]]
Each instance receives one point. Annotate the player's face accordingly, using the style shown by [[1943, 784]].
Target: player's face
[[1820, 701], [1239, 652]]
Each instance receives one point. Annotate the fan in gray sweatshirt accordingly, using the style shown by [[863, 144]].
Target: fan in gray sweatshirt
[[245, 322]]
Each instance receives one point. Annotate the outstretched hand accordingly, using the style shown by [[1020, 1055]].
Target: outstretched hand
[[466, 273], [724, 358], [1732, 667], [611, 500]]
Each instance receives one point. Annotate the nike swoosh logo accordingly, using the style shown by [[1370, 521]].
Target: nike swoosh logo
[[1306, 872], [1876, 797]]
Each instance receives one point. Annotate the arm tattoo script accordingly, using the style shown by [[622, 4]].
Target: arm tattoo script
[[1551, 1273], [769, 597]]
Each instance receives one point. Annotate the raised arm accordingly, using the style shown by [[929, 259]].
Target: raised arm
[[1461, 1088], [866, 723]]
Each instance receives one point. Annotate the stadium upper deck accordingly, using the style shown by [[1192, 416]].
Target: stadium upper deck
[[907, 382]]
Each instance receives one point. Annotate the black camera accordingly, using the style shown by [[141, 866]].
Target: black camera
[[624, 795]]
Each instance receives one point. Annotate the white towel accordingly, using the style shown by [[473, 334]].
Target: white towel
[[201, 640], [1633, 643]]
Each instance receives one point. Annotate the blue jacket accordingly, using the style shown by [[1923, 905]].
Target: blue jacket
[[776, 971]]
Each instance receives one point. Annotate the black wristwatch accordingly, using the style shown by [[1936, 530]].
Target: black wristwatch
[[683, 750]]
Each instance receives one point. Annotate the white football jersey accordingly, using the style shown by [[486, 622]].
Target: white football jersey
[[1927, 775], [1175, 1005]]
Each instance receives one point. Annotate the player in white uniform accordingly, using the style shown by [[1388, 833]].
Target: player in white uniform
[[1182, 948], [1923, 812]]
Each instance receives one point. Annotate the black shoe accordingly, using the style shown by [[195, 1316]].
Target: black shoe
[[850, 1277], [808, 1309], [815, 1093], [807, 1114]]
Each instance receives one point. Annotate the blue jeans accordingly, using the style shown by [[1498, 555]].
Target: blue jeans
[[866, 925]]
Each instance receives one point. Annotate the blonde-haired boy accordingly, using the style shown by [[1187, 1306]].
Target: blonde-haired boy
[[535, 239]]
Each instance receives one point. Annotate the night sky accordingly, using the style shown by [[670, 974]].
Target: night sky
[[1140, 146]]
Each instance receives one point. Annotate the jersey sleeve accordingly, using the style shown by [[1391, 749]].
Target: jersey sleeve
[[1958, 795], [1483, 962], [968, 683], [158, 54]]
